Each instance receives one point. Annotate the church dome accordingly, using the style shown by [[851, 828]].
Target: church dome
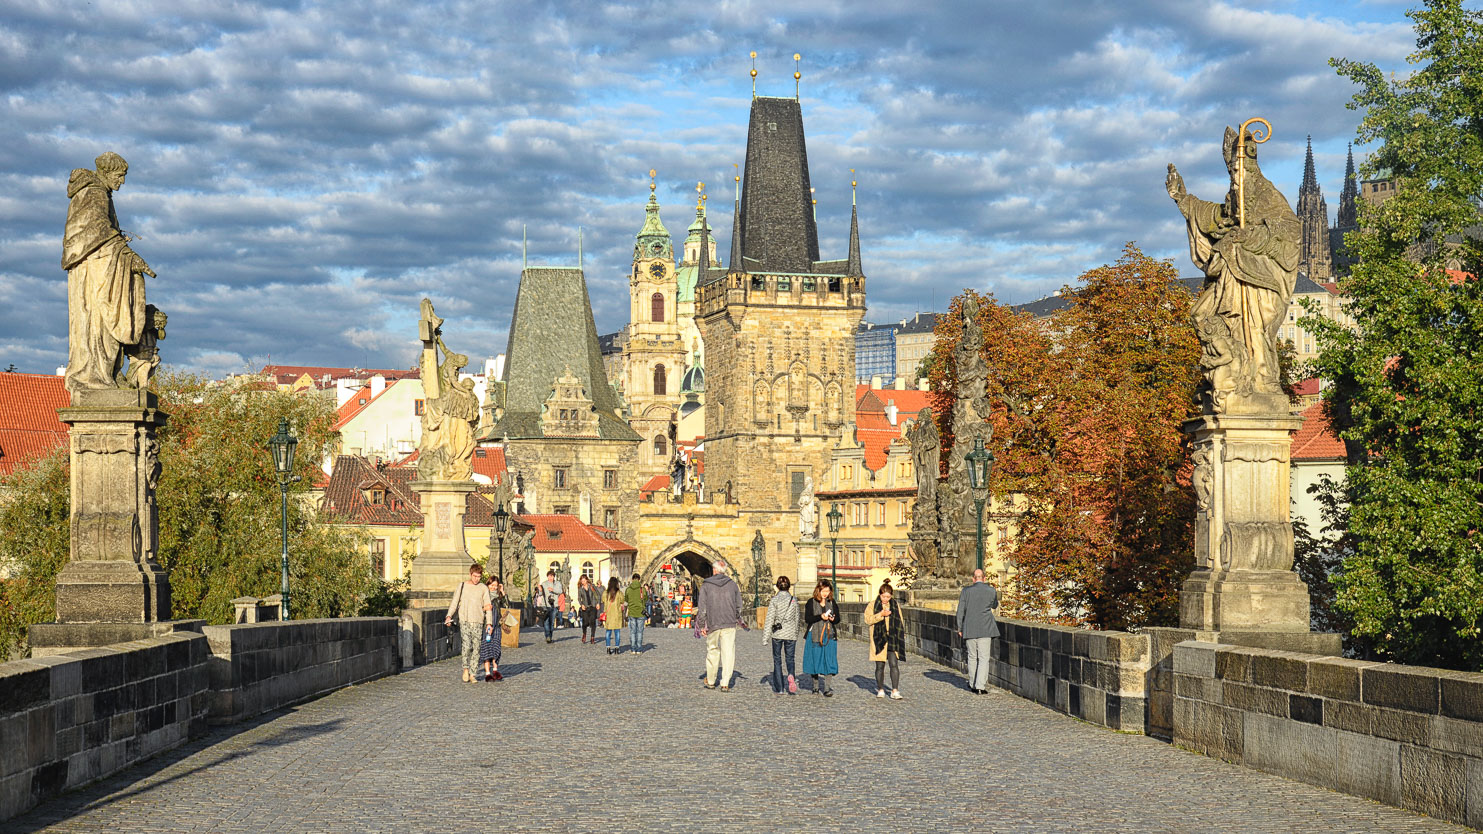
[[693, 380]]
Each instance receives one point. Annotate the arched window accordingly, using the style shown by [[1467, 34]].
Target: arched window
[[656, 307], [661, 382], [588, 570], [660, 445]]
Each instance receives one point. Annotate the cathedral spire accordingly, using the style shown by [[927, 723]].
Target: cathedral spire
[[1310, 178], [1348, 219], [736, 255]]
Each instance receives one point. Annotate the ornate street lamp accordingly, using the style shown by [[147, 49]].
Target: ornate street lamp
[[501, 524], [980, 464], [834, 516], [284, 445]]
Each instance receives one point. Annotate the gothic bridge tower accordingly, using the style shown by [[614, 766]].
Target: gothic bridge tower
[[779, 328], [654, 352]]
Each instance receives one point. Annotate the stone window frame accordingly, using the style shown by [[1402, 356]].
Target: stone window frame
[[656, 307], [559, 479], [609, 518], [610, 479], [661, 380]]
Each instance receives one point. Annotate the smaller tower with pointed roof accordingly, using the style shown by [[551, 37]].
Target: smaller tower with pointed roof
[[1348, 219]]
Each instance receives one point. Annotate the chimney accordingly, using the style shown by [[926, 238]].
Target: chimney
[[900, 383], [344, 390], [875, 382], [891, 412], [923, 385], [378, 384]]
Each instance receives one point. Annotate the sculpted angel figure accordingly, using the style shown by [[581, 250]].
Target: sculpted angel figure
[[1250, 271], [107, 319], [450, 412]]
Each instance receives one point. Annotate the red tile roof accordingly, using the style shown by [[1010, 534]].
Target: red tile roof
[[1316, 440], [490, 462], [358, 402], [655, 484], [346, 502], [873, 428], [288, 374], [559, 533], [1309, 387], [29, 427]]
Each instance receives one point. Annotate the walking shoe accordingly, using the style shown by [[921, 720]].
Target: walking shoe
[[725, 688], [792, 685], [897, 696], [709, 685], [880, 693], [498, 676], [466, 676], [584, 638], [489, 678], [828, 693]]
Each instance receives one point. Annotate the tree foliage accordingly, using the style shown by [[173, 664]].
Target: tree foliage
[[1086, 416], [219, 511], [1407, 384]]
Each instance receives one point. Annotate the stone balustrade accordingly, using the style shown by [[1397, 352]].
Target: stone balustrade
[[1402, 735], [68, 719]]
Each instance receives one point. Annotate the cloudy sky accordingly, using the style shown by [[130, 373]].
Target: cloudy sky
[[303, 172]]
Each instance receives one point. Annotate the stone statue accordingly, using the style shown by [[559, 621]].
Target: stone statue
[[957, 511], [808, 512], [107, 318], [1248, 248], [926, 455], [450, 412]]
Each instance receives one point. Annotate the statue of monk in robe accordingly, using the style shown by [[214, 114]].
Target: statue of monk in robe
[[1250, 271], [107, 318]]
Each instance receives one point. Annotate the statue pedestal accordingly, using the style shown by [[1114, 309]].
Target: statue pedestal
[[443, 558], [1243, 580], [112, 575], [808, 564]]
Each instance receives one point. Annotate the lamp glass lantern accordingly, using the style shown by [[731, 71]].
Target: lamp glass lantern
[[980, 465], [283, 445], [834, 516]]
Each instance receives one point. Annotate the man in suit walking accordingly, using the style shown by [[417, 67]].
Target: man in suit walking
[[978, 628]]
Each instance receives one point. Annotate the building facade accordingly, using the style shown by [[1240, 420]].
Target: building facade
[[654, 350]]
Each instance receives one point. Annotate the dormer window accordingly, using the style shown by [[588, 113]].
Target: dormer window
[[376, 496]]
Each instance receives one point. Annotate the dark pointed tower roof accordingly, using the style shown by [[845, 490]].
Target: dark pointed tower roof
[[853, 267], [1349, 197], [777, 227], [1310, 177], [552, 330]]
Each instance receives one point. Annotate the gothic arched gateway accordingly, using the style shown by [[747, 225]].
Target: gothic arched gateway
[[695, 556]]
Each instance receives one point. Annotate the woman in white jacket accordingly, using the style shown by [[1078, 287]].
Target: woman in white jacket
[[781, 631]]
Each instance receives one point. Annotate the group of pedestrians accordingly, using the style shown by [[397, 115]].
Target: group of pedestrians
[[718, 615]]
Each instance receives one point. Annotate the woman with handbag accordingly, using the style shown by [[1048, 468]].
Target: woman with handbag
[[887, 641], [780, 631], [614, 609], [587, 608], [821, 646]]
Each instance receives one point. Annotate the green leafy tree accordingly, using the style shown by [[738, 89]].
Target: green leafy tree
[[1406, 387], [219, 511]]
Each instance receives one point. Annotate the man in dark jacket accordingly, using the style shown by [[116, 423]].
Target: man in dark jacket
[[978, 628], [634, 597], [717, 614]]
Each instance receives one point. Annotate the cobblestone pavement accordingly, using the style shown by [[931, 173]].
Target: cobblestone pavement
[[576, 740]]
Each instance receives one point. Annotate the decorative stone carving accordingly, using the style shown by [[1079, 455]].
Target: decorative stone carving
[[1248, 247], [808, 512], [107, 317], [451, 411], [926, 451]]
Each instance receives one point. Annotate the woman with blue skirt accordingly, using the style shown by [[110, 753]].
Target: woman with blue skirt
[[821, 643]]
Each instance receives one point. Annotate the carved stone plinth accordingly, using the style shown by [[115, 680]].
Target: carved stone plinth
[[112, 575], [1243, 578], [808, 566], [443, 558]]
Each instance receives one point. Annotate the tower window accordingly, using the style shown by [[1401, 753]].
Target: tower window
[[661, 446], [661, 382], [656, 307]]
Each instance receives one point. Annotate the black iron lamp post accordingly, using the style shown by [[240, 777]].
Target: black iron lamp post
[[283, 445], [980, 464], [834, 516], [501, 524], [530, 570]]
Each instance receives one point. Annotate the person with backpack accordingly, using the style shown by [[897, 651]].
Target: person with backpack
[[887, 640], [634, 597], [780, 631], [614, 608], [475, 619]]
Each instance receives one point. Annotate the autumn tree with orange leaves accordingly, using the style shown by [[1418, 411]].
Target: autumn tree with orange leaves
[[1087, 407]]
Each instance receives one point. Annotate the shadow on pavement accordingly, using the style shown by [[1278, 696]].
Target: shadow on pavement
[[866, 684], [510, 670], [940, 676]]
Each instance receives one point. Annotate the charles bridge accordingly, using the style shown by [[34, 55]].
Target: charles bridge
[[225, 729]]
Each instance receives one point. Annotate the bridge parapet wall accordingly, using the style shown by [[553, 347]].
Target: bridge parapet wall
[[1408, 736], [261, 667], [1098, 676], [68, 719]]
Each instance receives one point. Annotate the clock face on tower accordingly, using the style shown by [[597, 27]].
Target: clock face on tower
[[656, 270]]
